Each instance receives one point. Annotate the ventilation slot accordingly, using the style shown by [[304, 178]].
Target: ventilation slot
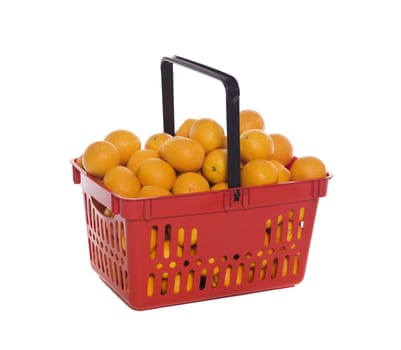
[[190, 280], [202, 280], [153, 242]]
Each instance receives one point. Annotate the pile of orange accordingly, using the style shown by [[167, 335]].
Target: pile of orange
[[194, 159]]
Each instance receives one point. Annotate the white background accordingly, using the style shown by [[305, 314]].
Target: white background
[[325, 73]]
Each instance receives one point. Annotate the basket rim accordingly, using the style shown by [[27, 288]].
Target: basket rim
[[328, 176]]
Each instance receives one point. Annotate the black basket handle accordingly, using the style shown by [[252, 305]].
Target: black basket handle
[[232, 108]]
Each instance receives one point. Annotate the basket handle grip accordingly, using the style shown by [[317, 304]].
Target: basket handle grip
[[232, 108]]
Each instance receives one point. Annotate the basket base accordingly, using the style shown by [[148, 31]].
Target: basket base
[[206, 298]]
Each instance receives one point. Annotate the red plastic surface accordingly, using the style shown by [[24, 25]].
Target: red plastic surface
[[157, 252]]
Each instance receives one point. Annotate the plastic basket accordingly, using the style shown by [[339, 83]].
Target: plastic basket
[[155, 252]]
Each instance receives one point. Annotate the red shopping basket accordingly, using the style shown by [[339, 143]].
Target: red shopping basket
[[155, 252]]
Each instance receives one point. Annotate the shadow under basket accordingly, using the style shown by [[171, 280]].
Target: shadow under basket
[[156, 252]]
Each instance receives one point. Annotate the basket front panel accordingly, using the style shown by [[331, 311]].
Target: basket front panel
[[200, 257]]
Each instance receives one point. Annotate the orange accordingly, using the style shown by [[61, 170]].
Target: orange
[[181, 237], [156, 172], [215, 166], [284, 174], [250, 119], [122, 181], [225, 142], [107, 212], [99, 157], [139, 156], [279, 221], [291, 231], [183, 130], [79, 161], [190, 182], [154, 141], [307, 168], [301, 214], [259, 172], [208, 132], [283, 150], [153, 191], [182, 153], [255, 144], [219, 186], [126, 142]]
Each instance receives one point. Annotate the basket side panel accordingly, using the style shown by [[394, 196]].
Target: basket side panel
[[107, 246]]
